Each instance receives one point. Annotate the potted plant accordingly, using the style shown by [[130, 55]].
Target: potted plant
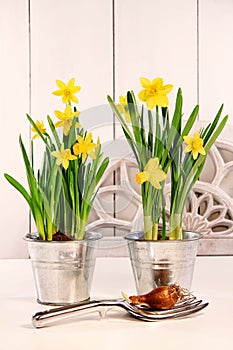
[[60, 197], [163, 147]]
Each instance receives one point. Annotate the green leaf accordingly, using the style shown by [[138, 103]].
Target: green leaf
[[189, 124], [30, 174], [21, 190], [132, 145], [46, 206], [159, 145], [39, 219], [72, 135], [176, 120], [57, 193], [151, 133], [142, 128], [119, 116], [54, 132], [213, 125], [134, 120], [102, 169], [175, 128], [215, 135]]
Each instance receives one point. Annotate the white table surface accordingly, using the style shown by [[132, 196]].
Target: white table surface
[[211, 328]]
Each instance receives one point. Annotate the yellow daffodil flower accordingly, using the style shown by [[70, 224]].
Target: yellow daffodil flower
[[85, 146], [63, 156], [154, 92], [67, 91], [40, 126], [123, 108], [194, 145], [153, 173], [66, 119]]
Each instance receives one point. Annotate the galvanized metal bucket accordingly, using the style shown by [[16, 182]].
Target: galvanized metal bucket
[[63, 270], [157, 263]]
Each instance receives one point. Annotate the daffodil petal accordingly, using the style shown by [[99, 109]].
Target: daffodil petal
[[58, 93], [58, 124], [195, 154], [188, 149], [35, 136], [123, 99], [76, 149], [161, 100], [84, 156], [68, 110], [74, 99], [196, 135], [159, 175], [76, 89], [202, 151], [152, 164], [92, 154], [154, 182], [66, 128], [58, 161], [142, 95], [61, 84], [72, 157], [120, 108], [59, 115], [65, 163], [166, 89], [127, 117], [89, 137], [151, 102], [188, 139], [157, 83], [55, 153], [64, 99], [145, 82], [70, 84]]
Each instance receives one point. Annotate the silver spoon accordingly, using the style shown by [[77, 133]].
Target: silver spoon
[[183, 308]]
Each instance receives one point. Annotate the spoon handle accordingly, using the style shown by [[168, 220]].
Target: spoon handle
[[44, 318]]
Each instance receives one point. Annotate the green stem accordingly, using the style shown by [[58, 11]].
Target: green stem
[[175, 226], [148, 234], [155, 231]]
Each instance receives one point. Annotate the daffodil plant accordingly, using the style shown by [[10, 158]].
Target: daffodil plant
[[61, 193], [162, 146]]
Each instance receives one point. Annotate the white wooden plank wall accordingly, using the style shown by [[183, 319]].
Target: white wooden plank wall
[[106, 46], [14, 104], [215, 57], [157, 39]]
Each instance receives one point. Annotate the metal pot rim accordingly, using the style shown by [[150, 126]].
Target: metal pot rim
[[139, 237], [89, 236]]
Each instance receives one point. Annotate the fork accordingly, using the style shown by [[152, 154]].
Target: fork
[[183, 308]]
